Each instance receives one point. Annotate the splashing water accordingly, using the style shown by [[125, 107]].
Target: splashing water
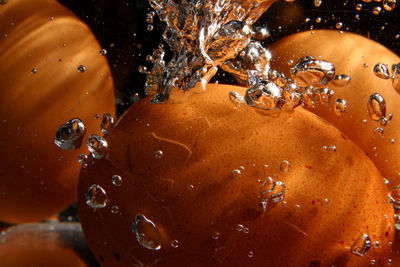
[[202, 34]]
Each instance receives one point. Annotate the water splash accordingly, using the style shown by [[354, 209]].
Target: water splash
[[202, 34]]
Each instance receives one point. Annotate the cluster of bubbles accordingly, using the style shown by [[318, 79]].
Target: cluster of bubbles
[[202, 36], [381, 70], [270, 90]]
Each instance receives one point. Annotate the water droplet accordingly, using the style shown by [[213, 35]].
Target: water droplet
[[392, 141], [97, 146], [376, 244], [341, 80], [271, 192], [34, 71], [339, 25], [246, 230], [285, 166], [116, 180], [381, 71], [103, 52], [376, 106], [365, 65], [325, 202], [146, 233], [175, 243], [250, 254], [361, 245], [309, 71], [359, 7], [389, 5], [106, 123], [340, 106], [396, 77], [70, 135], [236, 98], [150, 27], [96, 197], [81, 68], [158, 154], [318, 20], [236, 173], [376, 10], [114, 209]]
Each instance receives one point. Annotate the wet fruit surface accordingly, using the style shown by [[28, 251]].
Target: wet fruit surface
[[43, 87], [203, 180], [370, 98]]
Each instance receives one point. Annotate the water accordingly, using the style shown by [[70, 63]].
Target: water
[[146, 232], [381, 71], [97, 146], [96, 197], [396, 77], [107, 123], [310, 71], [202, 35], [271, 192], [70, 135], [361, 245], [116, 180], [376, 107]]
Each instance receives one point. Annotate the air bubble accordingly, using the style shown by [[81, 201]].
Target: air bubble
[[317, 3], [70, 135], [146, 232], [103, 52], [339, 25], [389, 5], [381, 71], [260, 33], [332, 148], [361, 245], [285, 166], [175, 243], [83, 159], [106, 123], [266, 97], [150, 27], [396, 77], [324, 95], [114, 209], [81, 68], [250, 254], [376, 106], [376, 10], [340, 106], [96, 197], [341, 80], [33, 71], [239, 227], [116, 180], [394, 197], [309, 71], [359, 7], [97, 146], [236, 98], [236, 173], [158, 154], [271, 192]]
